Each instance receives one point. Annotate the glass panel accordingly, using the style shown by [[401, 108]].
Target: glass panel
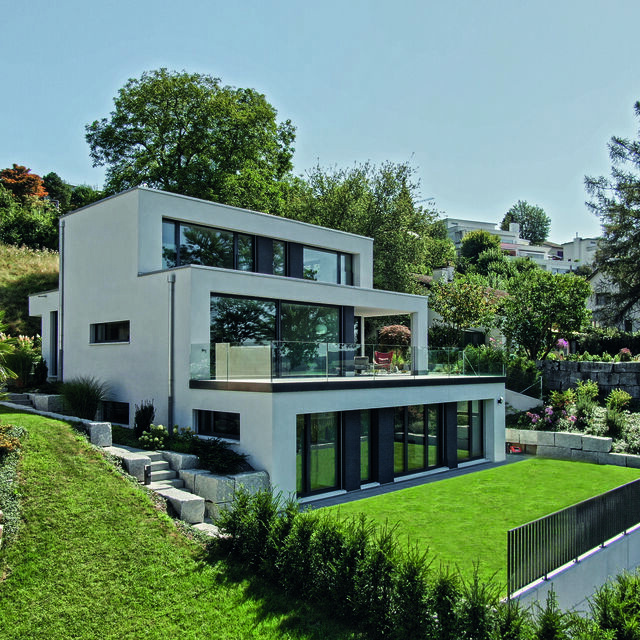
[[476, 429], [323, 471], [241, 332], [278, 258], [398, 441], [169, 249], [346, 268], [415, 438], [434, 435], [299, 453], [319, 265], [208, 247], [365, 445], [305, 332], [227, 425], [463, 431], [245, 253]]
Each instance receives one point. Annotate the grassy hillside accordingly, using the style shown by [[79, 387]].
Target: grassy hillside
[[22, 272]]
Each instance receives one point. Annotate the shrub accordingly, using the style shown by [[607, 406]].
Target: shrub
[[144, 416], [615, 607], [215, 455], [523, 376], [477, 617], [395, 335], [563, 399], [617, 400], [155, 438], [587, 390], [552, 623], [83, 395], [9, 496], [442, 597], [616, 422], [624, 355]]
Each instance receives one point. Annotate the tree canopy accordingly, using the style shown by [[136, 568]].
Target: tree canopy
[[542, 307], [186, 133], [381, 203], [534, 222], [616, 201], [21, 183], [463, 303]]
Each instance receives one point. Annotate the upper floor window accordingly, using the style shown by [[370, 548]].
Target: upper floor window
[[184, 244], [326, 266], [109, 332]]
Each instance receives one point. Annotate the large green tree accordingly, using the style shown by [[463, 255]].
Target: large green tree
[[616, 201], [381, 203], [463, 303], [186, 133], [534, 222], [541, 307]]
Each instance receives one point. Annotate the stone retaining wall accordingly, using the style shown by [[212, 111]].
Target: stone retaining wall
[[560, 375], [570, 446]]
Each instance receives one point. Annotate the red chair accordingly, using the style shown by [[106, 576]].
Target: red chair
[[382, 360]]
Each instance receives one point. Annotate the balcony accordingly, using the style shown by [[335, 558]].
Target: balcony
[[316, 361]]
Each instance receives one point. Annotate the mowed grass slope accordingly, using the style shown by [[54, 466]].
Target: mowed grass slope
[[22, 272], [95, 559], [464, 520]]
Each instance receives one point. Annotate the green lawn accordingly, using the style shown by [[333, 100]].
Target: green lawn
[[465, 519], [95, 559]]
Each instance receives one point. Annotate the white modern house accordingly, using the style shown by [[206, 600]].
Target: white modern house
[[248, 327]]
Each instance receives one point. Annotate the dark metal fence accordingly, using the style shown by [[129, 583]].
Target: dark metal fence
[[537, 548]]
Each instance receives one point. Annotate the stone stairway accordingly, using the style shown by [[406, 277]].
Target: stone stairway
[[19, 398], [161, 473]]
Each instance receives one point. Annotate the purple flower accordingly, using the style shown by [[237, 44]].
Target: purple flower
[[548, 411], [562, 343], [572, 418]]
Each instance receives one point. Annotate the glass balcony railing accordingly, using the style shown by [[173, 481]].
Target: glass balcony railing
[[277, 360]]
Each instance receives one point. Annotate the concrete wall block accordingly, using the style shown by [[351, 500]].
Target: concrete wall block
[[528, 437], [556, 453], [215, 488], [627, 367], [633, 461], [596, 443], [252, 481], [45, 402], [179, 461], [584, 456], [214, 509], [608, 379], [187, 506], [618, 459], [134, 464], [100, 434], [595, 367], [188, 476], [571, 440], [546, 438], [512, 435]]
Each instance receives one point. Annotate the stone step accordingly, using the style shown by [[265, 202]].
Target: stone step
[[154, 456], [176, 483], [159, 465], [187, 506], [157, 476], [19, 398]]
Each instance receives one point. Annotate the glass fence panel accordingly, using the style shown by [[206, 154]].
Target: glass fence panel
[[290, 359]]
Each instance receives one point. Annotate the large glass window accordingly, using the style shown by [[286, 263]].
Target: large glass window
[[416, 438], [245, 253], [365, 445], [205, 246], [169, 246], [470, 431], [317, 452], [307, 333], [319, 265], [279, 253]]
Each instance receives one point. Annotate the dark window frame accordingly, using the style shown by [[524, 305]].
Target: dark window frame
[[103, 332], [342, 258], [200, 416]]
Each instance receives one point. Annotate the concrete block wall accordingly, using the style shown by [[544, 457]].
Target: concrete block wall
[[560, 375], [570, 446]]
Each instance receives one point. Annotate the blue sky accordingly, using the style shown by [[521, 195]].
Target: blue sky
[[491, 101]]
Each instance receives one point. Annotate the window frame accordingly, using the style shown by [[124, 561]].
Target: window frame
[[98, 332]]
